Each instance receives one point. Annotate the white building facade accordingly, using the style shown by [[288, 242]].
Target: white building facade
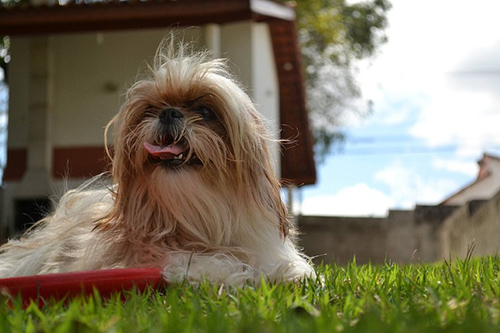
[[65, 88]]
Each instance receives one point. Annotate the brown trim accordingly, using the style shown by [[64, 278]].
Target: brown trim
[[79, 162], [123, 15], [67, 162], [17, 161], [297, 158]]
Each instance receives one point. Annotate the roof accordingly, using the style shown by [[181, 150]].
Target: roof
[[297, 164], [484, 165], [297, 161], [78, 15]]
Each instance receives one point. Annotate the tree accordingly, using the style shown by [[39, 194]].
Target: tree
[[4, 56], [5, 40], [333, 36]]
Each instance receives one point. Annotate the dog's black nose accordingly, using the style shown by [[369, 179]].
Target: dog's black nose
[[168, 115]]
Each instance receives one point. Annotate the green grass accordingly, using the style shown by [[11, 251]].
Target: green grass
[[459, 297]]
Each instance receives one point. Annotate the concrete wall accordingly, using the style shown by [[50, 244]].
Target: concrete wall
[[477, 225], [339, 239], [375, 240], [396, 238], [402, 237], [401, 240], [426, 234], [427, 222]]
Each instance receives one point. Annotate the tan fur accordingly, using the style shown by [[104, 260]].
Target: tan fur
[[223, 220]]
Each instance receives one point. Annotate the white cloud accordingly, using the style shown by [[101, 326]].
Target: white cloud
[[407, 186], [357, 200], [3, 120], [467, 120], [416, 68], [458, 165]]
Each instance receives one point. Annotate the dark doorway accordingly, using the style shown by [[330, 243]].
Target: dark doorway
[[29, 211]]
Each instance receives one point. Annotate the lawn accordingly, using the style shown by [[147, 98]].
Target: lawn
[[446, 297]]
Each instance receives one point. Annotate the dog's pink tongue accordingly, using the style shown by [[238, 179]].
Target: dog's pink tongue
[[170, 150]]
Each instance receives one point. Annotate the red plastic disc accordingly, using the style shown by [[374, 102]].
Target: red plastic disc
[[41, 288]]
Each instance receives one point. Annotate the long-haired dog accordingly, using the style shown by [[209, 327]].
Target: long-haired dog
[[194, 189]]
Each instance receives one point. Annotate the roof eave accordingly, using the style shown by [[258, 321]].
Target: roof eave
[[272, 9], [123, 15]]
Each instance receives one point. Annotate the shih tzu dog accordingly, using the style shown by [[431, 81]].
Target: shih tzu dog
[[194, 189]]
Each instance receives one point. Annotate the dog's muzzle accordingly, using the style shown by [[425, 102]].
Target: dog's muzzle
[[170, 149]]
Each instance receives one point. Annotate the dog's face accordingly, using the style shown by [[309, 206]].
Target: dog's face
[[190, 147], [179, 134], [189, 117], [170, 130]]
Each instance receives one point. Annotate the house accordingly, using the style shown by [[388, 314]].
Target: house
[[72, 60], [486, 185]]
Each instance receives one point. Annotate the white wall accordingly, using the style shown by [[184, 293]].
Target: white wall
[[92, 71], [265, 84], [19, 70], [249, 48]]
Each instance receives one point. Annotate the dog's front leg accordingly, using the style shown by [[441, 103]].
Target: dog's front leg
[[218, 268]]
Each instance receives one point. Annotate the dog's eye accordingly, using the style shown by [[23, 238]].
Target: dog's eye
[[206, 113]]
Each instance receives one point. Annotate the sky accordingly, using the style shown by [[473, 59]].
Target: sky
[[436, 92]]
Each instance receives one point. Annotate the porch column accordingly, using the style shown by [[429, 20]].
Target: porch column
[[36, 181], [212, 39]]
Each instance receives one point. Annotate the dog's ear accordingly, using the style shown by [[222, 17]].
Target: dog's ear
[[284, 222], [254, 162], [276, 202]]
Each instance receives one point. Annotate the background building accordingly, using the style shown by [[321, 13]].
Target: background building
[[72, 62]]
